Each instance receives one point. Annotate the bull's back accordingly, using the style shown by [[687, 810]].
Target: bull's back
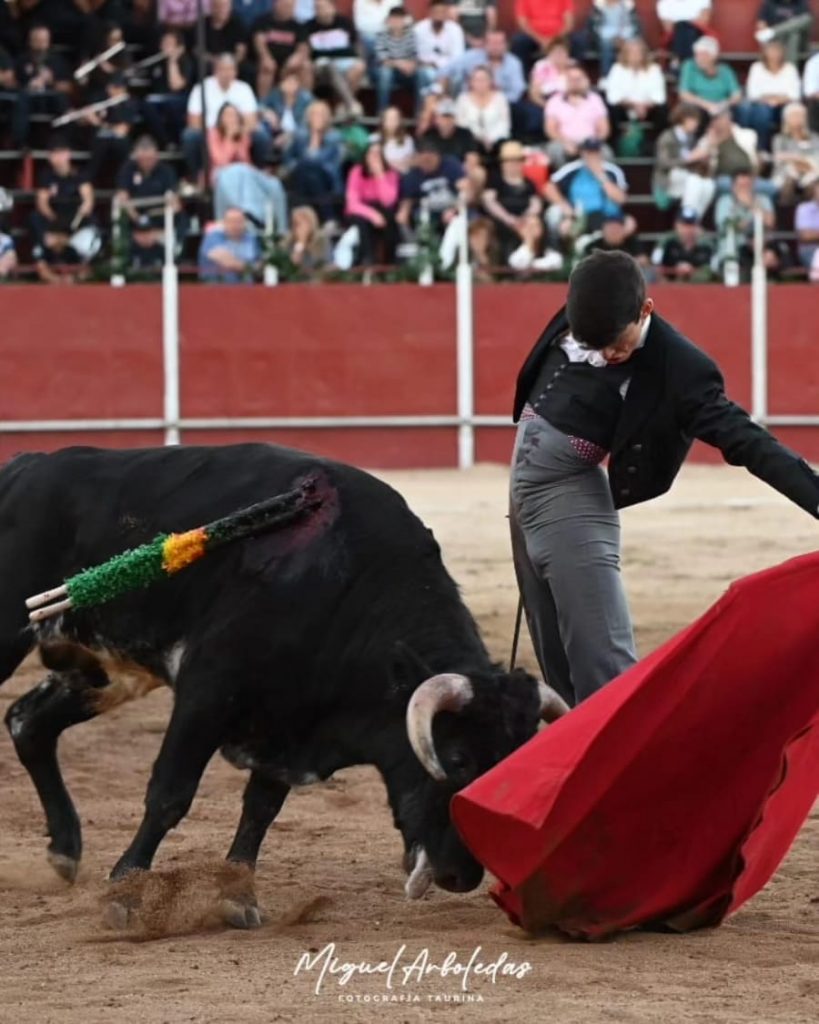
[[73, 508]]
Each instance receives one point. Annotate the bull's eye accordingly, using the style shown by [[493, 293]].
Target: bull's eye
[[458, 761]]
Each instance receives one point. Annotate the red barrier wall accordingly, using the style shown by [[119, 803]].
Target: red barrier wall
[[299, 350]]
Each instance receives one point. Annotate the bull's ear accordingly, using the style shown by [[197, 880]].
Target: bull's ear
[[552, 705]]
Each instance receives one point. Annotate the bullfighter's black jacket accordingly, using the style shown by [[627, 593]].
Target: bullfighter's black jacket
[[677, 394]]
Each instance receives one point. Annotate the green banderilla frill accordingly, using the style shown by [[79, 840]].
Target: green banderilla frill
[[131, 570], [169, 553]]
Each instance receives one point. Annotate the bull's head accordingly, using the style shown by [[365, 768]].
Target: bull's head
[[459, 728]]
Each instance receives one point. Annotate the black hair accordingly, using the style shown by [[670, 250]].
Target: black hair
[[606, 293], [427, 145]]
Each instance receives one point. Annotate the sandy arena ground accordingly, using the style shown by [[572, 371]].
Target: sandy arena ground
[[330, 870]]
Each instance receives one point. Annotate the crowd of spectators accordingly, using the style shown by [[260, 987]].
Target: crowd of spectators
[[320, 141]]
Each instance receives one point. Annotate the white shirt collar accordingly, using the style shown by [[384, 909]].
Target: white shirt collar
[[578, 353]]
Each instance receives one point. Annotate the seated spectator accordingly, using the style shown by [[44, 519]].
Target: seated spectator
[[539, 22], [806, 224], [220, 88], [483, 249], [332, 39], [278, 46], [795, 154], [9, 100], [370, 20], [181, 14], [574, 116], [397, 144], [313, 161], [685, 255], [169, 81], [683, 22], [492, 53], [230, 251], [396, 59], [225, 32], [772, 83], [448, 137], [732, 150], [64, 204], [307, 246], [371, 204], [635, 89], [228, 141], [433, 181], [43, 81], [586, 191], [737, 208], [483, 110], [439, 41], [510, 198], [788, 21], [285, 108], [112, 142], [145, 177], [547, 77], [64, 200], [810, 90], [612, 23], [682, 167], [706, 83], [8, 254], [477, 18], [617, 233], [533, 255]]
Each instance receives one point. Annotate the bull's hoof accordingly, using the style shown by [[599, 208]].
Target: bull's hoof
[[65, 866], [117, 916], [241, 915]]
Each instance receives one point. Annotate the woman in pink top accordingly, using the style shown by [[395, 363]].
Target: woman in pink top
[[228, 142], [549, 74], [371, 202]]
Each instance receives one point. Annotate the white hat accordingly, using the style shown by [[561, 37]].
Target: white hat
[[708, 44]]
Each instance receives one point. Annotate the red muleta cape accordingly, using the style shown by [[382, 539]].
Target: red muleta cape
[[670, 796]]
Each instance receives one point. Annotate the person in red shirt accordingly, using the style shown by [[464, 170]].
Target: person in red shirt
[[540, 21]]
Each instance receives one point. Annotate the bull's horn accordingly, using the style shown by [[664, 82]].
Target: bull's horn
[[446, 692], [552, 705]]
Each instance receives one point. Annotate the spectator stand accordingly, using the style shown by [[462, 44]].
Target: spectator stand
[[733, 21]]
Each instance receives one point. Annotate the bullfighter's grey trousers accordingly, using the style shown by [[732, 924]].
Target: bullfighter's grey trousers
[[566, 549]]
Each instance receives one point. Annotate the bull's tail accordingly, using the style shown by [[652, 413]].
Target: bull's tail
[[167, 554]]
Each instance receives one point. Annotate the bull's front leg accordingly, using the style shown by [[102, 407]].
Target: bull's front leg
[[195, 732], [35, 723], [263, 799]]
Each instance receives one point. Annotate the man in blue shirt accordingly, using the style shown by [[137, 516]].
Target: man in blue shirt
[[506, 68], [229, 253], [590, 188]]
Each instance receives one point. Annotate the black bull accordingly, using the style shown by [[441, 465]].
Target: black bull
[[337, 640]]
